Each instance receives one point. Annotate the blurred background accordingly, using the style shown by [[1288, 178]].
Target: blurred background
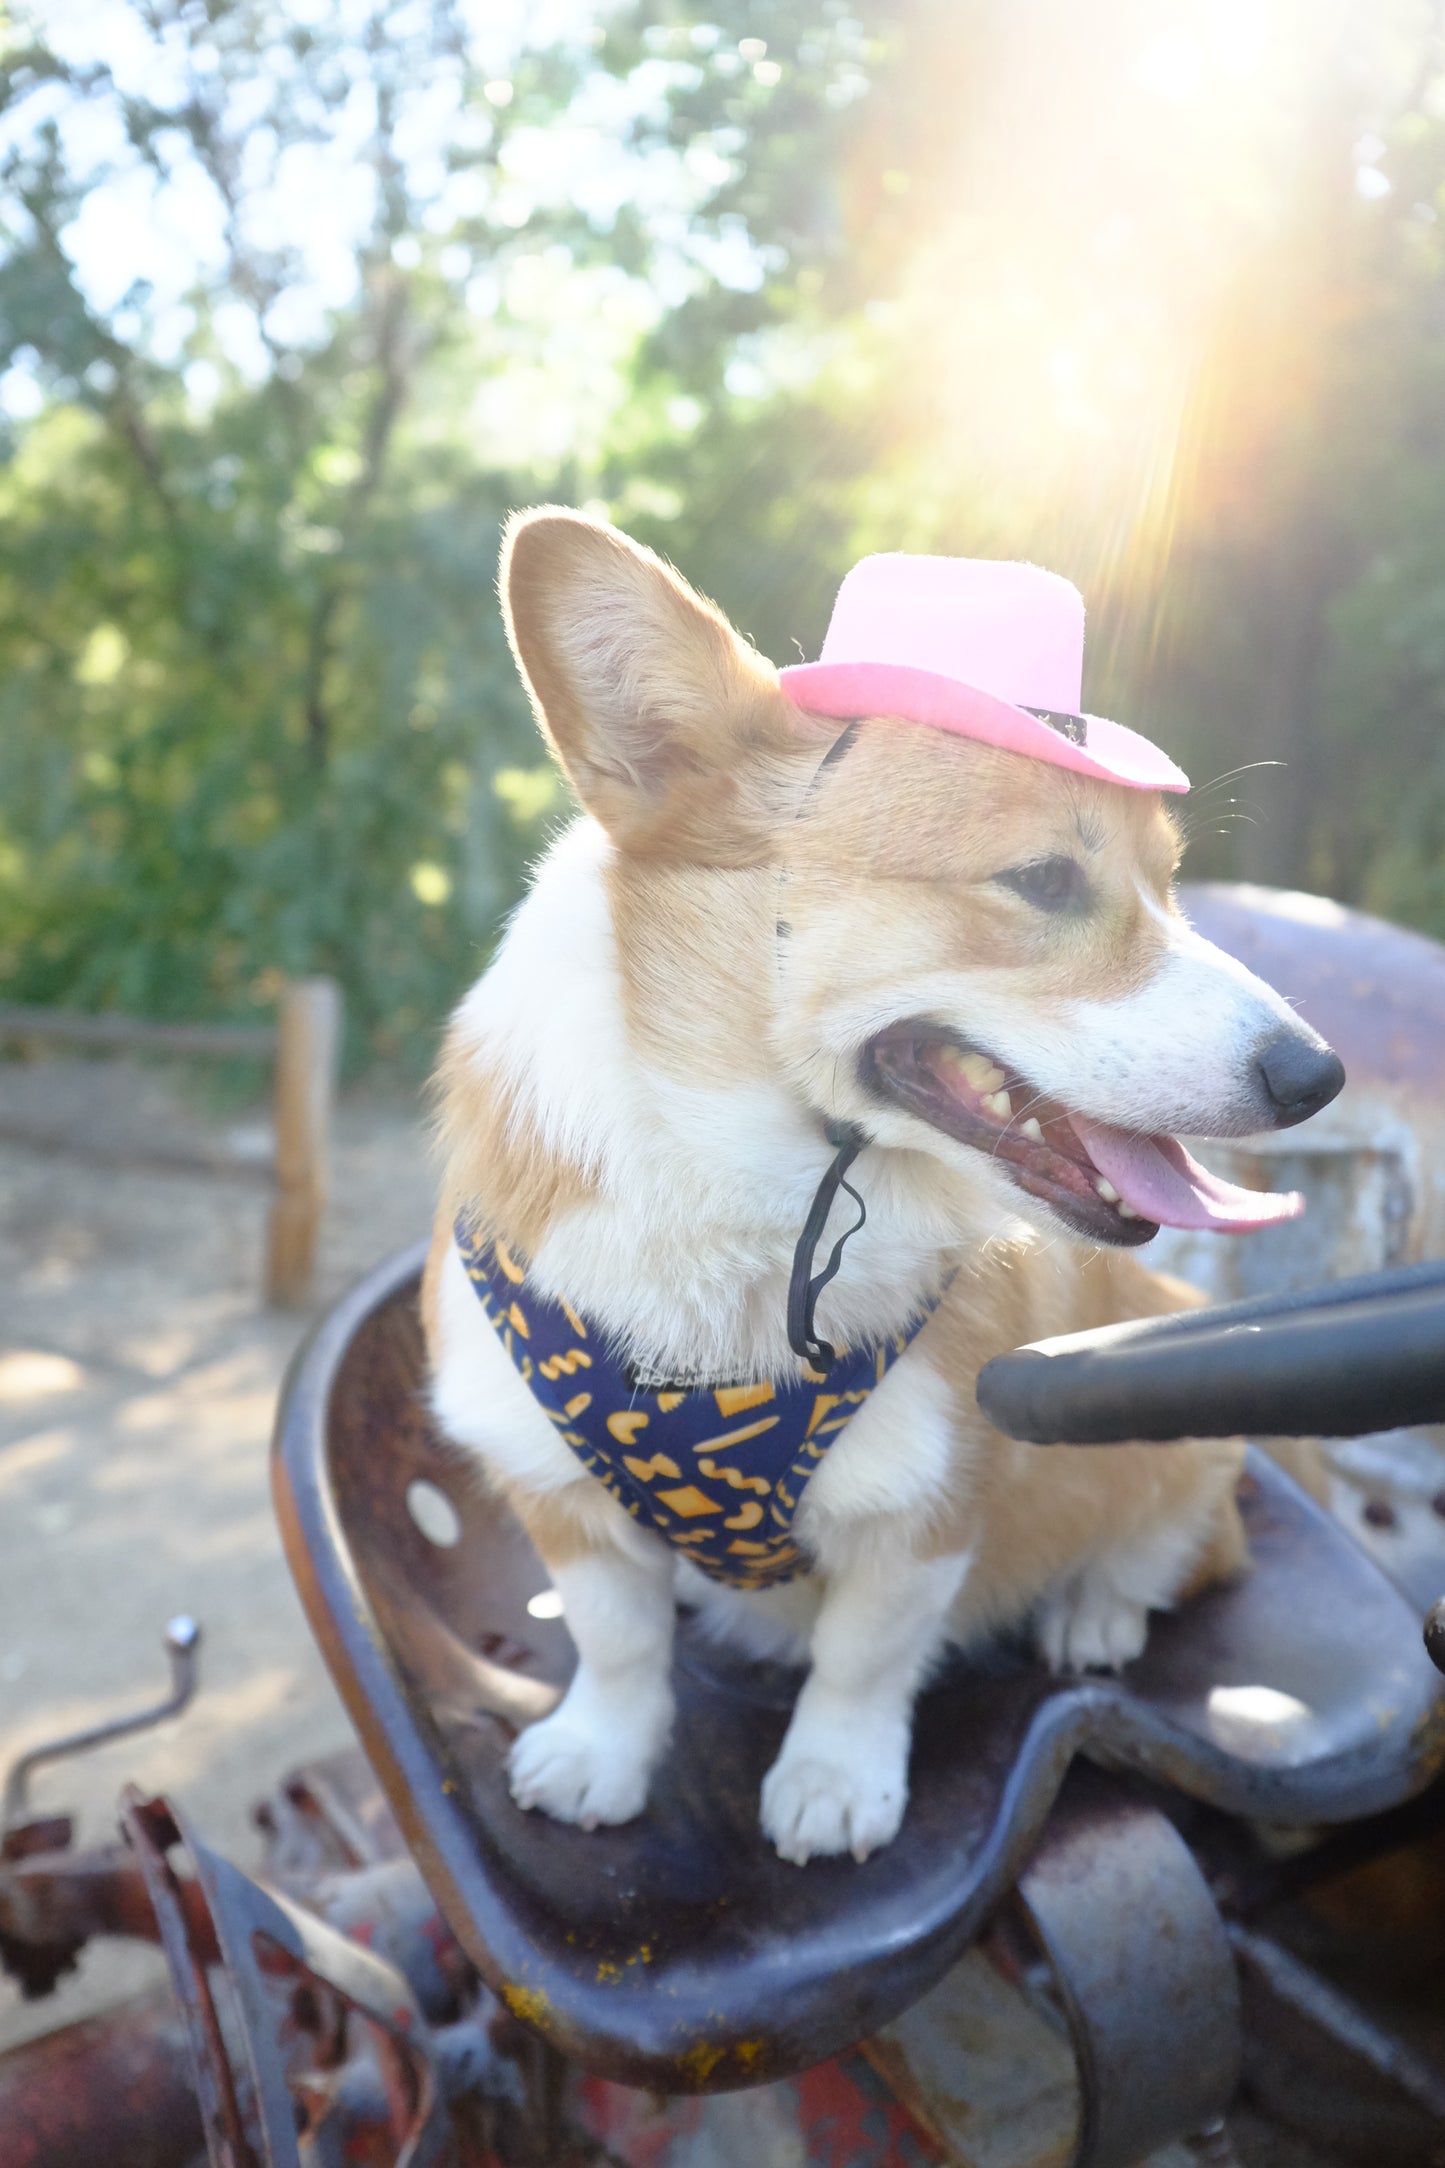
[[297, 300]]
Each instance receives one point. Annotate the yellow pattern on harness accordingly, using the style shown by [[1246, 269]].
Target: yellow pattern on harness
[[727, 1497]]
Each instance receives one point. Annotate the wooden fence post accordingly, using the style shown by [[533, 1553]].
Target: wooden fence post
[[308, 1051]]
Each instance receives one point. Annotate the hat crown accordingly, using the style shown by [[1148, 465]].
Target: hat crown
[[1013, 630]]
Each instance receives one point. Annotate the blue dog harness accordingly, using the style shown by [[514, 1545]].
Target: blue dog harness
[[718, 1471]]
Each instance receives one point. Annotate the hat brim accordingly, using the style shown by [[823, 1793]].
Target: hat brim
[[847, 691]]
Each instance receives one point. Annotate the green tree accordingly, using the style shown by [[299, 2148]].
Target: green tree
[[255, 696], [1155, 301]]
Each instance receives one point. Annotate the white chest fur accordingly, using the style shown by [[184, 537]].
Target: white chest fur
[[684, 1245]]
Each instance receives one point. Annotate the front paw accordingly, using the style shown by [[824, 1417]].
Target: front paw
[[817, 1801], [589, 1763]]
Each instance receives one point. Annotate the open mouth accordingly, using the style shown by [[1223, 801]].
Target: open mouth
[[1108, 1183]]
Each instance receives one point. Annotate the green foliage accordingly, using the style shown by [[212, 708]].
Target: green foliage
[[255, 686], [956, 275], [233, 744]]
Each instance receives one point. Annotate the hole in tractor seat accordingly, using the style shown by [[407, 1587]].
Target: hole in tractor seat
[[434, 1514], [547, 1603]]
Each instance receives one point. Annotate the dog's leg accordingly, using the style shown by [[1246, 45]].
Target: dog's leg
[[591, 1759], [840, 1783]]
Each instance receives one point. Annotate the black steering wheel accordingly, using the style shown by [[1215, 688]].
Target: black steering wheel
[[1337, 1361]]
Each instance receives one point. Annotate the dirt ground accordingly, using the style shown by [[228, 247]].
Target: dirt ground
[[138, 1378]]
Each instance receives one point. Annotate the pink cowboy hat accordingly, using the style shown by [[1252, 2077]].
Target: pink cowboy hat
[[991, 651]]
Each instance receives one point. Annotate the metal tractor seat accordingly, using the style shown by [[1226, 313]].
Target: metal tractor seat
[[679, 1953]]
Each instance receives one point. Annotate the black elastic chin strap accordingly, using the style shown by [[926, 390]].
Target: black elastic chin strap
[[806, 1286]]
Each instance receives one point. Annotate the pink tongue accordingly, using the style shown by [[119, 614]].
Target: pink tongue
[[1157, 1176]]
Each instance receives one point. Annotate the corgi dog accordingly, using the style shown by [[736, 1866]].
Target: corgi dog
[[765, 932]]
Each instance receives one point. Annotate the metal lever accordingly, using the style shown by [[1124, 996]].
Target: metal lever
[[182, 1639]]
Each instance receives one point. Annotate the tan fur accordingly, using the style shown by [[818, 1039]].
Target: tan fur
[[1028, 1510], [919, 880], [430, 1307], [683, 759], [680, 743], [567, 1524], [499, 1173], [696, 947]]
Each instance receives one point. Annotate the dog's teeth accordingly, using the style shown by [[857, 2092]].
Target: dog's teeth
[[999, 1103], [982, 1074], [1106, 1189], [1030, 1128], [1126, 1211]]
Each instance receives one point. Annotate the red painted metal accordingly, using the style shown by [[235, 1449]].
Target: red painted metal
[[113, 2092], [840, 2114]]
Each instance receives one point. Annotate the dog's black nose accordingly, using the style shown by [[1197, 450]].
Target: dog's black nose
[[1299, 1078]]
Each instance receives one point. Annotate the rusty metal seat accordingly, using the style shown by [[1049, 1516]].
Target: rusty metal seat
[[679, 1952]]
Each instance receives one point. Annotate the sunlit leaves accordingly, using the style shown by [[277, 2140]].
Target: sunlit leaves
[[772, 286]]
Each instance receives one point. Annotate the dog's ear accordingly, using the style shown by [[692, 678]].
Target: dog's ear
[[668, 724]]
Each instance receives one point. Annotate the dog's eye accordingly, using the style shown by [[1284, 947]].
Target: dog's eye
[[1053, 884]]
